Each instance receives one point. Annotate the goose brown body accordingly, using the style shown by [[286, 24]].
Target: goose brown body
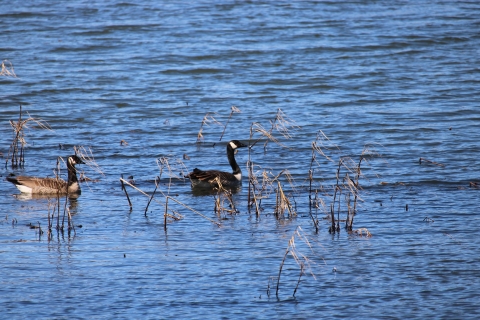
[[209, 178], [35, 185]]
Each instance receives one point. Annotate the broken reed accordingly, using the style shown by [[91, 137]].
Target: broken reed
[[174, 215]]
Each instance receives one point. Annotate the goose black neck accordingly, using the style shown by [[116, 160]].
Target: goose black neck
[[231, 159], [72, 173]]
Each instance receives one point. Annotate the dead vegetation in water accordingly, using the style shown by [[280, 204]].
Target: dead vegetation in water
[[223, 199], [303, 262], [7, 69], [16, 153], [346, 192], [281, 124], [209, 118], [169, 167], [259, 189], [88, 158]]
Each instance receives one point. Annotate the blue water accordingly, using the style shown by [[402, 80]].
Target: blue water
[[396, 80]]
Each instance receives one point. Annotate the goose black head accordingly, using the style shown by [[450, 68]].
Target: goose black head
[[74, 159], [234, 144]]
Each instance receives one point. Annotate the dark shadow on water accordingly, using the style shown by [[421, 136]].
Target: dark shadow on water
[[200, 192]]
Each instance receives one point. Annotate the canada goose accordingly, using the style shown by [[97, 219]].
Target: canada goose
[[36, 185], [207, 179]]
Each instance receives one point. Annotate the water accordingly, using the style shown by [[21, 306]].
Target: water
[[400, 78]]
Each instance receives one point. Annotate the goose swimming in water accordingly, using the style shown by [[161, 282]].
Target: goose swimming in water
[[34, 185], [208, 178]]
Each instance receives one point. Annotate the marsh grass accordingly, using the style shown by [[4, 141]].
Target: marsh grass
[[347, 177], [16, 153], [257, 191]]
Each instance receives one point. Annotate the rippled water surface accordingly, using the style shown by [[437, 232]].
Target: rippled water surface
[[396, 80]]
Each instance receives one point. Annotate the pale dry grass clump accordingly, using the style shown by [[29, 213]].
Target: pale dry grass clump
[[212, 118], [302, 260], [7, 69]]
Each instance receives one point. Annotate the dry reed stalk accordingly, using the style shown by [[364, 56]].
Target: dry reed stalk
[[367, 152], [336, 189], [51, 206], [205, 121], [302, 266], [7, 69], [233, 110], [64, 211], [321, 144], [283, 203], [299, 258], [222, 196], [87, 156], [165, 215], [122, 181], [16, 153], [280, 269], [310, 175], [281, 124], [157, 181], [259, 191], [171, 198], [71, 226], [172, 167], [355, 188]]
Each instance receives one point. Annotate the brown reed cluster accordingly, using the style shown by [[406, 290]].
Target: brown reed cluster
[[16, 153], [346, 191]]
